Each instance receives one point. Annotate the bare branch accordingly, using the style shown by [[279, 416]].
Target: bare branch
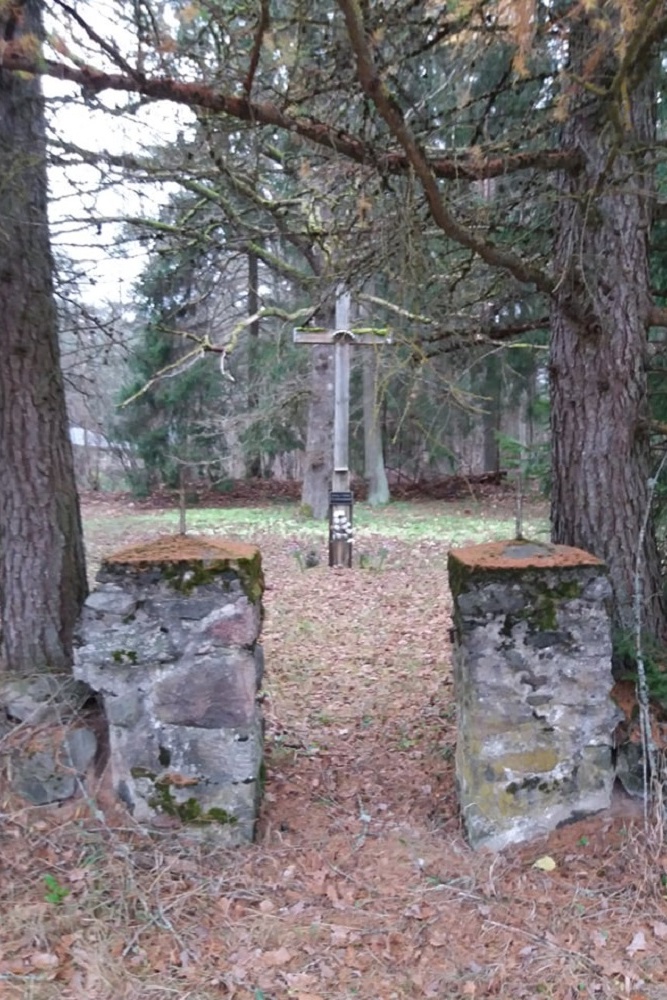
[[107, 47], [459, 166], [262, 27]]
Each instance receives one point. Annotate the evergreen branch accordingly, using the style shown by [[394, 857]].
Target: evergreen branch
[[379, 94], [274, 208], [278, 264], [396, 309], [204, 345], [449, 341], [636, 59], [450, 29], [248, 190], [489, 334]]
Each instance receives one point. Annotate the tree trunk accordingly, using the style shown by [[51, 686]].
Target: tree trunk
[[374, 470], [254, 458], [600, 449], [491, 414], [42, 568], [319, 442]]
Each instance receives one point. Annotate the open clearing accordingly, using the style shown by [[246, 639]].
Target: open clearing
[[360, 884]]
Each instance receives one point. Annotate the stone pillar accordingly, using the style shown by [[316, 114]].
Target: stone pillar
[[532, 668], [169, 638]]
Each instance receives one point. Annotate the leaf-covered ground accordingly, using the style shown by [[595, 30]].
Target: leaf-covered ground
[[360, 884]]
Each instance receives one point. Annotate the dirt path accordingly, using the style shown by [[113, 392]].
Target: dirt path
[[360, 884]]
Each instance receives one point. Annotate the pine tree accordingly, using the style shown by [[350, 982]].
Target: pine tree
[[42, 569]]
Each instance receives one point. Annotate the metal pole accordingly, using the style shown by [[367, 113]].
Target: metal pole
[[341, 471]]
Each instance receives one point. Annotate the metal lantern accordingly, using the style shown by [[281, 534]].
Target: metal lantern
[[341, 532]]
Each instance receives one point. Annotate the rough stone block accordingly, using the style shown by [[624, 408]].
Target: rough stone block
[[235, 624], [533, 679], [52, 774], [210, 692], [170, 641], [111, 600], [42, 697]]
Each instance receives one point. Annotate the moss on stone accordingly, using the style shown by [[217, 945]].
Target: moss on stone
[[185, 578], [191, 561], [188, 811], [124, 656], [218, 815], [545, 615], [538, 760], [543, 594], [458, 573], [142, 772], [541, 615]]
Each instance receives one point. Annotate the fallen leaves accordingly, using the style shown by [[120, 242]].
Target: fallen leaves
[[638, 943], [360, 883], [659, 928], [545, 864], [276, 958]]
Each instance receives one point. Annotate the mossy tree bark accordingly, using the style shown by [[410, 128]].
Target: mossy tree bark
[[42, 568], [600, 315]]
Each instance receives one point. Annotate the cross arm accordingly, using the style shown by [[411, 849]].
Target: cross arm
[[362, 336]]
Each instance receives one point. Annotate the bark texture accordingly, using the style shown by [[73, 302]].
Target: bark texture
[[254, 459], [42, 569], [374, 470], [491, 414], [319, 451], [600, 449]]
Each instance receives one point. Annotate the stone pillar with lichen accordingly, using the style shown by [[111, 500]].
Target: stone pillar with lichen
[[532, 665], [169, 639]]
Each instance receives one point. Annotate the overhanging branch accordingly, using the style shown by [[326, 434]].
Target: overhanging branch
[[458, 166], [379, 94]]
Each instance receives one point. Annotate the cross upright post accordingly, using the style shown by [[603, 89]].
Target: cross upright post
[[341, 338], [341, 500]]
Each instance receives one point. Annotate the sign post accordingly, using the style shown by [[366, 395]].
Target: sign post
[[341, 500]]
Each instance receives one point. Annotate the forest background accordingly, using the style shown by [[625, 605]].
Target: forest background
[[485, 179]]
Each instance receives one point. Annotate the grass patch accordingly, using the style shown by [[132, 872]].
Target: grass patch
[[406, 522]]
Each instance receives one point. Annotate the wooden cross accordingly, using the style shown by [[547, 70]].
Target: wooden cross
[[340, 498]]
